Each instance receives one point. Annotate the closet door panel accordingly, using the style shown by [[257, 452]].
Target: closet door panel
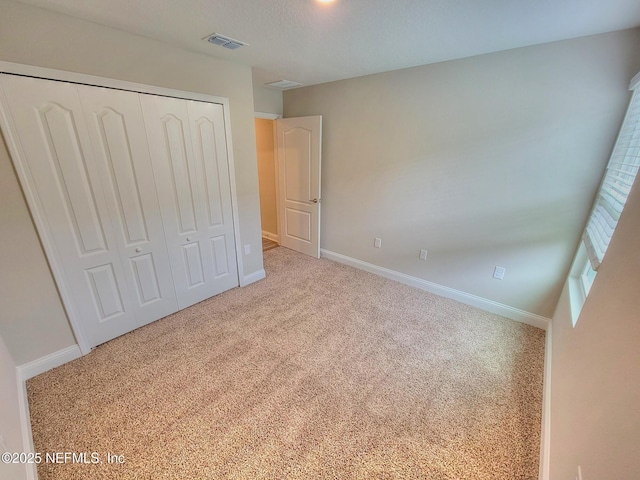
[[193, 263], [184, 153], [210, 152], [181, 169], [221, 256], [147, 281], [116, 127], [62, 173], [176, 173]]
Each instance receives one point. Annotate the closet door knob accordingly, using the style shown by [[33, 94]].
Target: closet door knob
[[188, 239], [138, 250]]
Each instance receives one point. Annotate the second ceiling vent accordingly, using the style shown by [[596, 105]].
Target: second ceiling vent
[[226, 42]]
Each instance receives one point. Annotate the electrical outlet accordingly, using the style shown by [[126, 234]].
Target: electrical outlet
[[423, 254], [377, 242], [499, 272], [247, 249]]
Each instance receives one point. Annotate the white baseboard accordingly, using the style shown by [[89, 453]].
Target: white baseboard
[[25, 372], [25, 426], [462, 297], [271, 236], [53, 360], [252, 277], [545, 432]]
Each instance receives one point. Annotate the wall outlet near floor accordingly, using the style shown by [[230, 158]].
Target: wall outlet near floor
[[247, 249], [423, 254], [377, 242], [498, 272]]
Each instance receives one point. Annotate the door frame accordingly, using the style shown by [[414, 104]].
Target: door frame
[[17, 158], [274, 117], [279, 201]]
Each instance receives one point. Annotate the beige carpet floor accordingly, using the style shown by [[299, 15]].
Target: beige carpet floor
[[318, 371]]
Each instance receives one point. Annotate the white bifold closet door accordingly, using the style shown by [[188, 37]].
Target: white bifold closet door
[[116, 130], [102, 200], [189, 153]]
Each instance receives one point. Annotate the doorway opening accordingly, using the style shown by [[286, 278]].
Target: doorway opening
[[289, 164], [267, 182]]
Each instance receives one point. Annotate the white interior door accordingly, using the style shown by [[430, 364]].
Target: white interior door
[[116, 127], [189, 159], [64, 177], [299, 143]]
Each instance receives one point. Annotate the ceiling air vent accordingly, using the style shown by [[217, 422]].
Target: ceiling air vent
[[225, 42], [282, 84]]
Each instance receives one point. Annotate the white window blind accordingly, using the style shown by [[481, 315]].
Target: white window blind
[[616, 185]]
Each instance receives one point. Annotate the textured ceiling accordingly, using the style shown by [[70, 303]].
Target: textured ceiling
[[310, 42]]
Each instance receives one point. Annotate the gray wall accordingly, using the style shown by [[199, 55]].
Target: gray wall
[[484, 161], [266, 100], [595, 386], [32, 318], [34, 326]]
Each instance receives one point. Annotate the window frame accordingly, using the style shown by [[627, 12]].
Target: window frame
[[577, 292], [582, 273], [587, 277]]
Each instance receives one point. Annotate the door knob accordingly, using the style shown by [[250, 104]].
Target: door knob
[[138, 250], [188, 239], [315, 200]]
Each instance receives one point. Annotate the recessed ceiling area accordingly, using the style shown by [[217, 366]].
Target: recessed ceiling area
[[311, 43]]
